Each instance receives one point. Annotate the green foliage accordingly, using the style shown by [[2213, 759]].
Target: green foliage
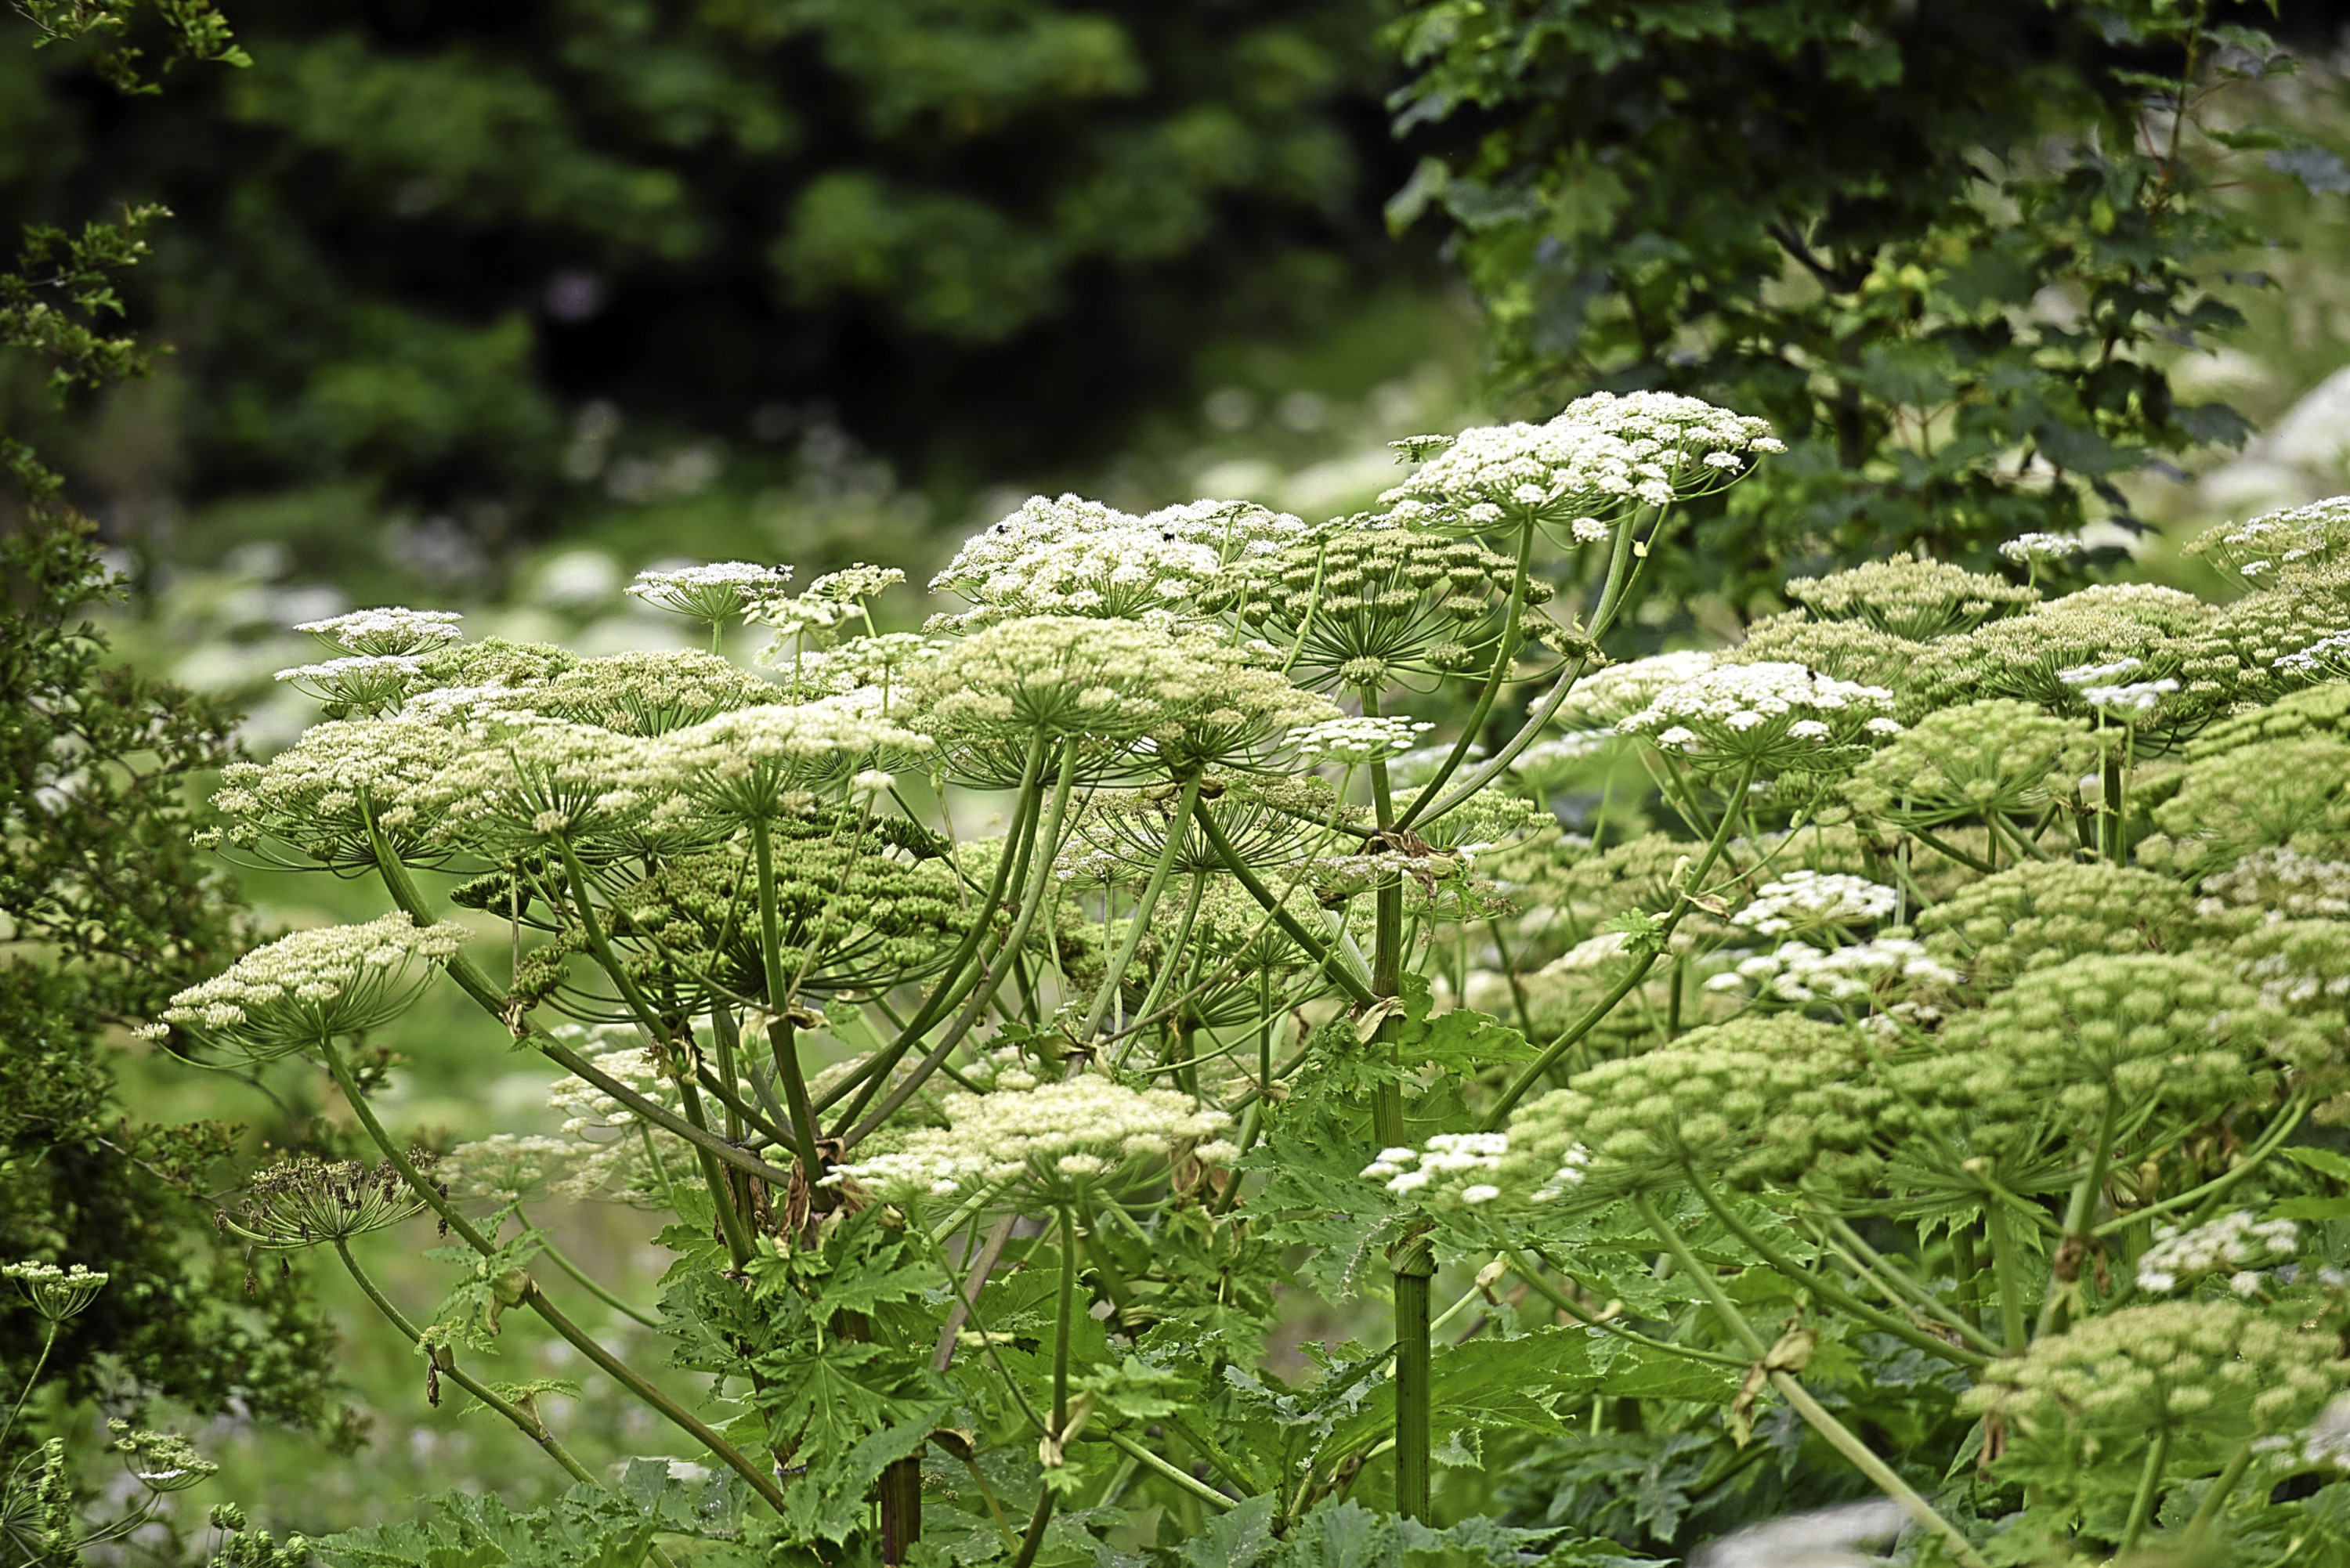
[[1946, 253], [976, 234], [1932, 1109], [104, 908], [589, 1526]]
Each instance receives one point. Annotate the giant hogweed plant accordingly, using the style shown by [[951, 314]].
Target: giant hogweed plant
[[1909, 1081]]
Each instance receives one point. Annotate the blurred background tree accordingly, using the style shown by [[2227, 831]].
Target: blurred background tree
[[432, 255], [106, 908], [1950, 251]]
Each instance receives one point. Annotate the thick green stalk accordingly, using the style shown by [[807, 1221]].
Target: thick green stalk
[[1683, 902], [1837, 1434], [1032, 900], [2109, 818], [485, 994], [1065, 1314], [535, 1299], [1623, 568], [2214, 1500], [2149, 1487], [2079, 1215], [522, 1421], [1386, 971], [959, 976], [1504, 652], [2005, 1274], [1139, 917], [1183, 1480], [40, 1362], [1034, 1535], [1315, 948], [1414, 1265], [1620, 560], [1146, 1012], [1826, 1288], [780, 1040], [1967, 1268]]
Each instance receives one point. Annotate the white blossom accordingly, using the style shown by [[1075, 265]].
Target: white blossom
[[303, 990], [1354, 739], [2030, 547], [2229, 1242], [1808, 899], [711, 592], [1044, 1136], [388, 629]]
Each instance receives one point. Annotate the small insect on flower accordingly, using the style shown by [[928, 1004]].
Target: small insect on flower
[[303, 1202], [56, 1293]]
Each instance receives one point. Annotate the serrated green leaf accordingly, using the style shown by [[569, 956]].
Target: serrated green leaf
[[2325, 1162]]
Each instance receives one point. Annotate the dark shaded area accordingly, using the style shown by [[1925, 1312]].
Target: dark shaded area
[[414, 239]]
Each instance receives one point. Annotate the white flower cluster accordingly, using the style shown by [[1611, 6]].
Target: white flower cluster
[[2136, 700], [2326, 1441], [1609, 695], [1459, 1167], [2234, 1242], [312, 794], [303, 989], [1762, 714], [830, 600], [2028, 548], [1558, 472], [615, 1152], [2285, 883], [2083, 675], [1050, 1139], [711, 592], [509, 1167], [1354, 739], [880, 662], [2100, 688], [55, 1294], [369, 681], [537, 780], [1671, 423], [1810, 901], [388, 629], [1072, 556], [2279, 538], [855, 584], [1599, 454], [1447, 1157], [763, 762], [1066, 675], [2327, 658], [1797, 971]]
